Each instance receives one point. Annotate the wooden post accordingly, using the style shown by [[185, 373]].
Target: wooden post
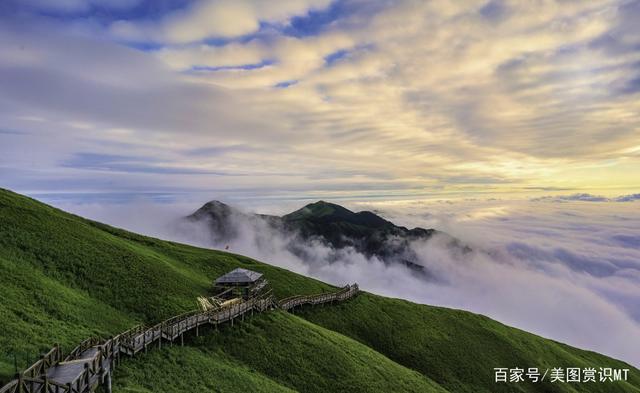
[[33, 374], [108, 387], [87, 375], [19, 377]]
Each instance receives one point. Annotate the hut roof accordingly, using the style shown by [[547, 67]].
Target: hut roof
[[239, 275]]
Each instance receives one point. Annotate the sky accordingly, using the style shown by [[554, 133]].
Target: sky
[[512, 125], [114, 100]]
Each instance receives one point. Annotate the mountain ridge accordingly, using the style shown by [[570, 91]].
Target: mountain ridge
[[334, 225]]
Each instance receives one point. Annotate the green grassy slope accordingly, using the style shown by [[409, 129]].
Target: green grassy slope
[[198, 370], [459, 349], [64, 278], [278, 345]]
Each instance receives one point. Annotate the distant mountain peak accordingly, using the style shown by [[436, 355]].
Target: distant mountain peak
[[331, 212], [211, 209], [336, 225], [317, 210], [215, 203]]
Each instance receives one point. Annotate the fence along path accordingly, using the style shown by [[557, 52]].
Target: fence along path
[[91, 363], [343, 294]]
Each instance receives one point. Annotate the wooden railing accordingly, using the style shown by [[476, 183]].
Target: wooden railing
[[296, 301], [83, 346], [91, 363]]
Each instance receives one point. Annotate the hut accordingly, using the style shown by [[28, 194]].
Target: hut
[[239, 282]]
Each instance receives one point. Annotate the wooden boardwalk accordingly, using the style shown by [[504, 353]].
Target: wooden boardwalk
[[91, 363]]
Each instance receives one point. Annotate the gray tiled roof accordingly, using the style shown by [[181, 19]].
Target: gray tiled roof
[[239, 275]]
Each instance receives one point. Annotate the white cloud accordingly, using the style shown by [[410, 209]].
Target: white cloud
[[586, 197], [214, 18]]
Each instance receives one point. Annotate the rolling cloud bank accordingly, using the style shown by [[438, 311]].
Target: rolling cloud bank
[[567, 268]]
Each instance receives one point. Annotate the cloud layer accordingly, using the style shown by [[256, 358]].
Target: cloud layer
[[319, 98]]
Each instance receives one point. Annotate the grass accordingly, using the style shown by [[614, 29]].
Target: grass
[[65, 278], [199, 371], [293, 353], [459, 349]]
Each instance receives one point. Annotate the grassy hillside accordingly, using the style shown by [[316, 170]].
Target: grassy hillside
[[277, 345], [64, 278], [458, 349], [199, 371]]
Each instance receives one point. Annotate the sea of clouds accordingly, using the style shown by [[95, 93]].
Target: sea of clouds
[[564, 267]]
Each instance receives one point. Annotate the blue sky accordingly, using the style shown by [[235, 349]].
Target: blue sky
[[318, 98]]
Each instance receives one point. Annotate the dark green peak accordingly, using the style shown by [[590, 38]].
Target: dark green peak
[[323, 207], [214, 204], [317, 210], [328, 212], [213, 208]]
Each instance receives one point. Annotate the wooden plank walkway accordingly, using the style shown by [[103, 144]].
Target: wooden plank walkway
[[91, 363], [67, 372]]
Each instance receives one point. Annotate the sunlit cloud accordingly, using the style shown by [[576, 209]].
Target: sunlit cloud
[[212, 19], [374, 98]]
